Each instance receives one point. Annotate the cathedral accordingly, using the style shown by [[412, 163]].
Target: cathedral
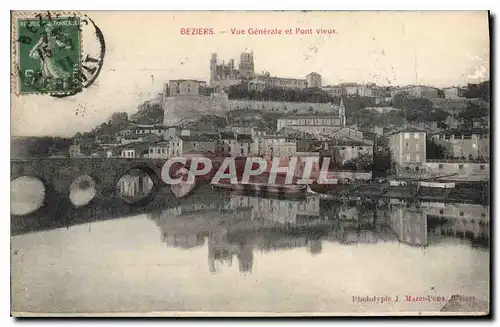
[[227, 74]]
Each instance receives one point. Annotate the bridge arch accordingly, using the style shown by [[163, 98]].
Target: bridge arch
[[150, 173]]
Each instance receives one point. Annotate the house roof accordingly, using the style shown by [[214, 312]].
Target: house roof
[[134, 145], [186, 80], [458, 131], [157, 126], [244, 137], [319, 115], [199, 138], [345, 140], [410, 129], [228, 135], [159, 143], [272, 136], [352, 143]]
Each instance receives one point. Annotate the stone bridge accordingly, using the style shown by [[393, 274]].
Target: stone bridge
[[57, 174]]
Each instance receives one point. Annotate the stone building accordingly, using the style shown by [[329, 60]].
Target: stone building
[[465, 142], [408, 146], [315, 124], [313, 79]]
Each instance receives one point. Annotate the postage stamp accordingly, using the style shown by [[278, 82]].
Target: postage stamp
[[49, 55]]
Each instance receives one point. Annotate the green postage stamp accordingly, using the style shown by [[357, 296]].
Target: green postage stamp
[[48, 55]]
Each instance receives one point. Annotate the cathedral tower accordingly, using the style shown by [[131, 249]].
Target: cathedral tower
[[213, 68]]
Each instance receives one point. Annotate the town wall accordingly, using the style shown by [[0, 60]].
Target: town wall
[[282, 106], [185, 106]]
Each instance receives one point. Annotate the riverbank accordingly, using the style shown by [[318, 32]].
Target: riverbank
[[465, 193]]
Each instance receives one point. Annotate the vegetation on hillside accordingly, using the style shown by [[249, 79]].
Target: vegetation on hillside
[[312, 95], [480, 91], [36, 147], [205, 123], [473, 112], [418, 109], [148, 115]]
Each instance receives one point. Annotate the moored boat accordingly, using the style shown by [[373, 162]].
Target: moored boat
[[256, 183]]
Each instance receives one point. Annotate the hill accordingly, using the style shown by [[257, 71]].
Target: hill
[[36, 147]]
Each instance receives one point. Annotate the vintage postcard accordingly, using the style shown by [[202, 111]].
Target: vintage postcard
[[299, 163]]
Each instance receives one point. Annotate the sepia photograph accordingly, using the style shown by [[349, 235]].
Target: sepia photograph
[[250, 163]]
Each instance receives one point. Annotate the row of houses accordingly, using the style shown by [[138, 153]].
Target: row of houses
[[346, 143], [239, 142], [373, 90], [466, 152]]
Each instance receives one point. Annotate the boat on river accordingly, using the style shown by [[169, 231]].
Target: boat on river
[[255, 183]]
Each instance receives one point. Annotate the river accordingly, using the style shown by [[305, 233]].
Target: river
[[227, 252]]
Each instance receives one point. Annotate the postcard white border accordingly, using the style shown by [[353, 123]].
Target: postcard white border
[[191, 5]]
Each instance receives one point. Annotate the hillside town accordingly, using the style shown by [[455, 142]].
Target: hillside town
[[404, 131]]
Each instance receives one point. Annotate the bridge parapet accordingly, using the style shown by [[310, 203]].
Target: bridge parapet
[[58, 174]]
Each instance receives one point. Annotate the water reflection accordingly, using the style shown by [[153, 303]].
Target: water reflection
[[82, 190], [235, 225], [134, 186], [27, 195], [221, 251]]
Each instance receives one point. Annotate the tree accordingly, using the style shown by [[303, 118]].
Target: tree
[[119, 118], [473, 111], [434, 150], [364, 161], [382, 163], [481, 90], [438, 115]]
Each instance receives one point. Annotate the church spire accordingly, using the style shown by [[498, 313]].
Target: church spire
[[342, 112]]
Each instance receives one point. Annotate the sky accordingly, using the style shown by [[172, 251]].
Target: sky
[[145, 49]]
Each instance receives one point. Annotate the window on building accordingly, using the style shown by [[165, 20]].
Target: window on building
[[441, 166], [417, 157], [461, 214], [159, 151], [441, 211], [481, 167], [461, 167], [417, 168], [407, 135], [163, 151], [416, 136], [406, 146], [151, 150], [407, 168], [483, 214], [417, 147]]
